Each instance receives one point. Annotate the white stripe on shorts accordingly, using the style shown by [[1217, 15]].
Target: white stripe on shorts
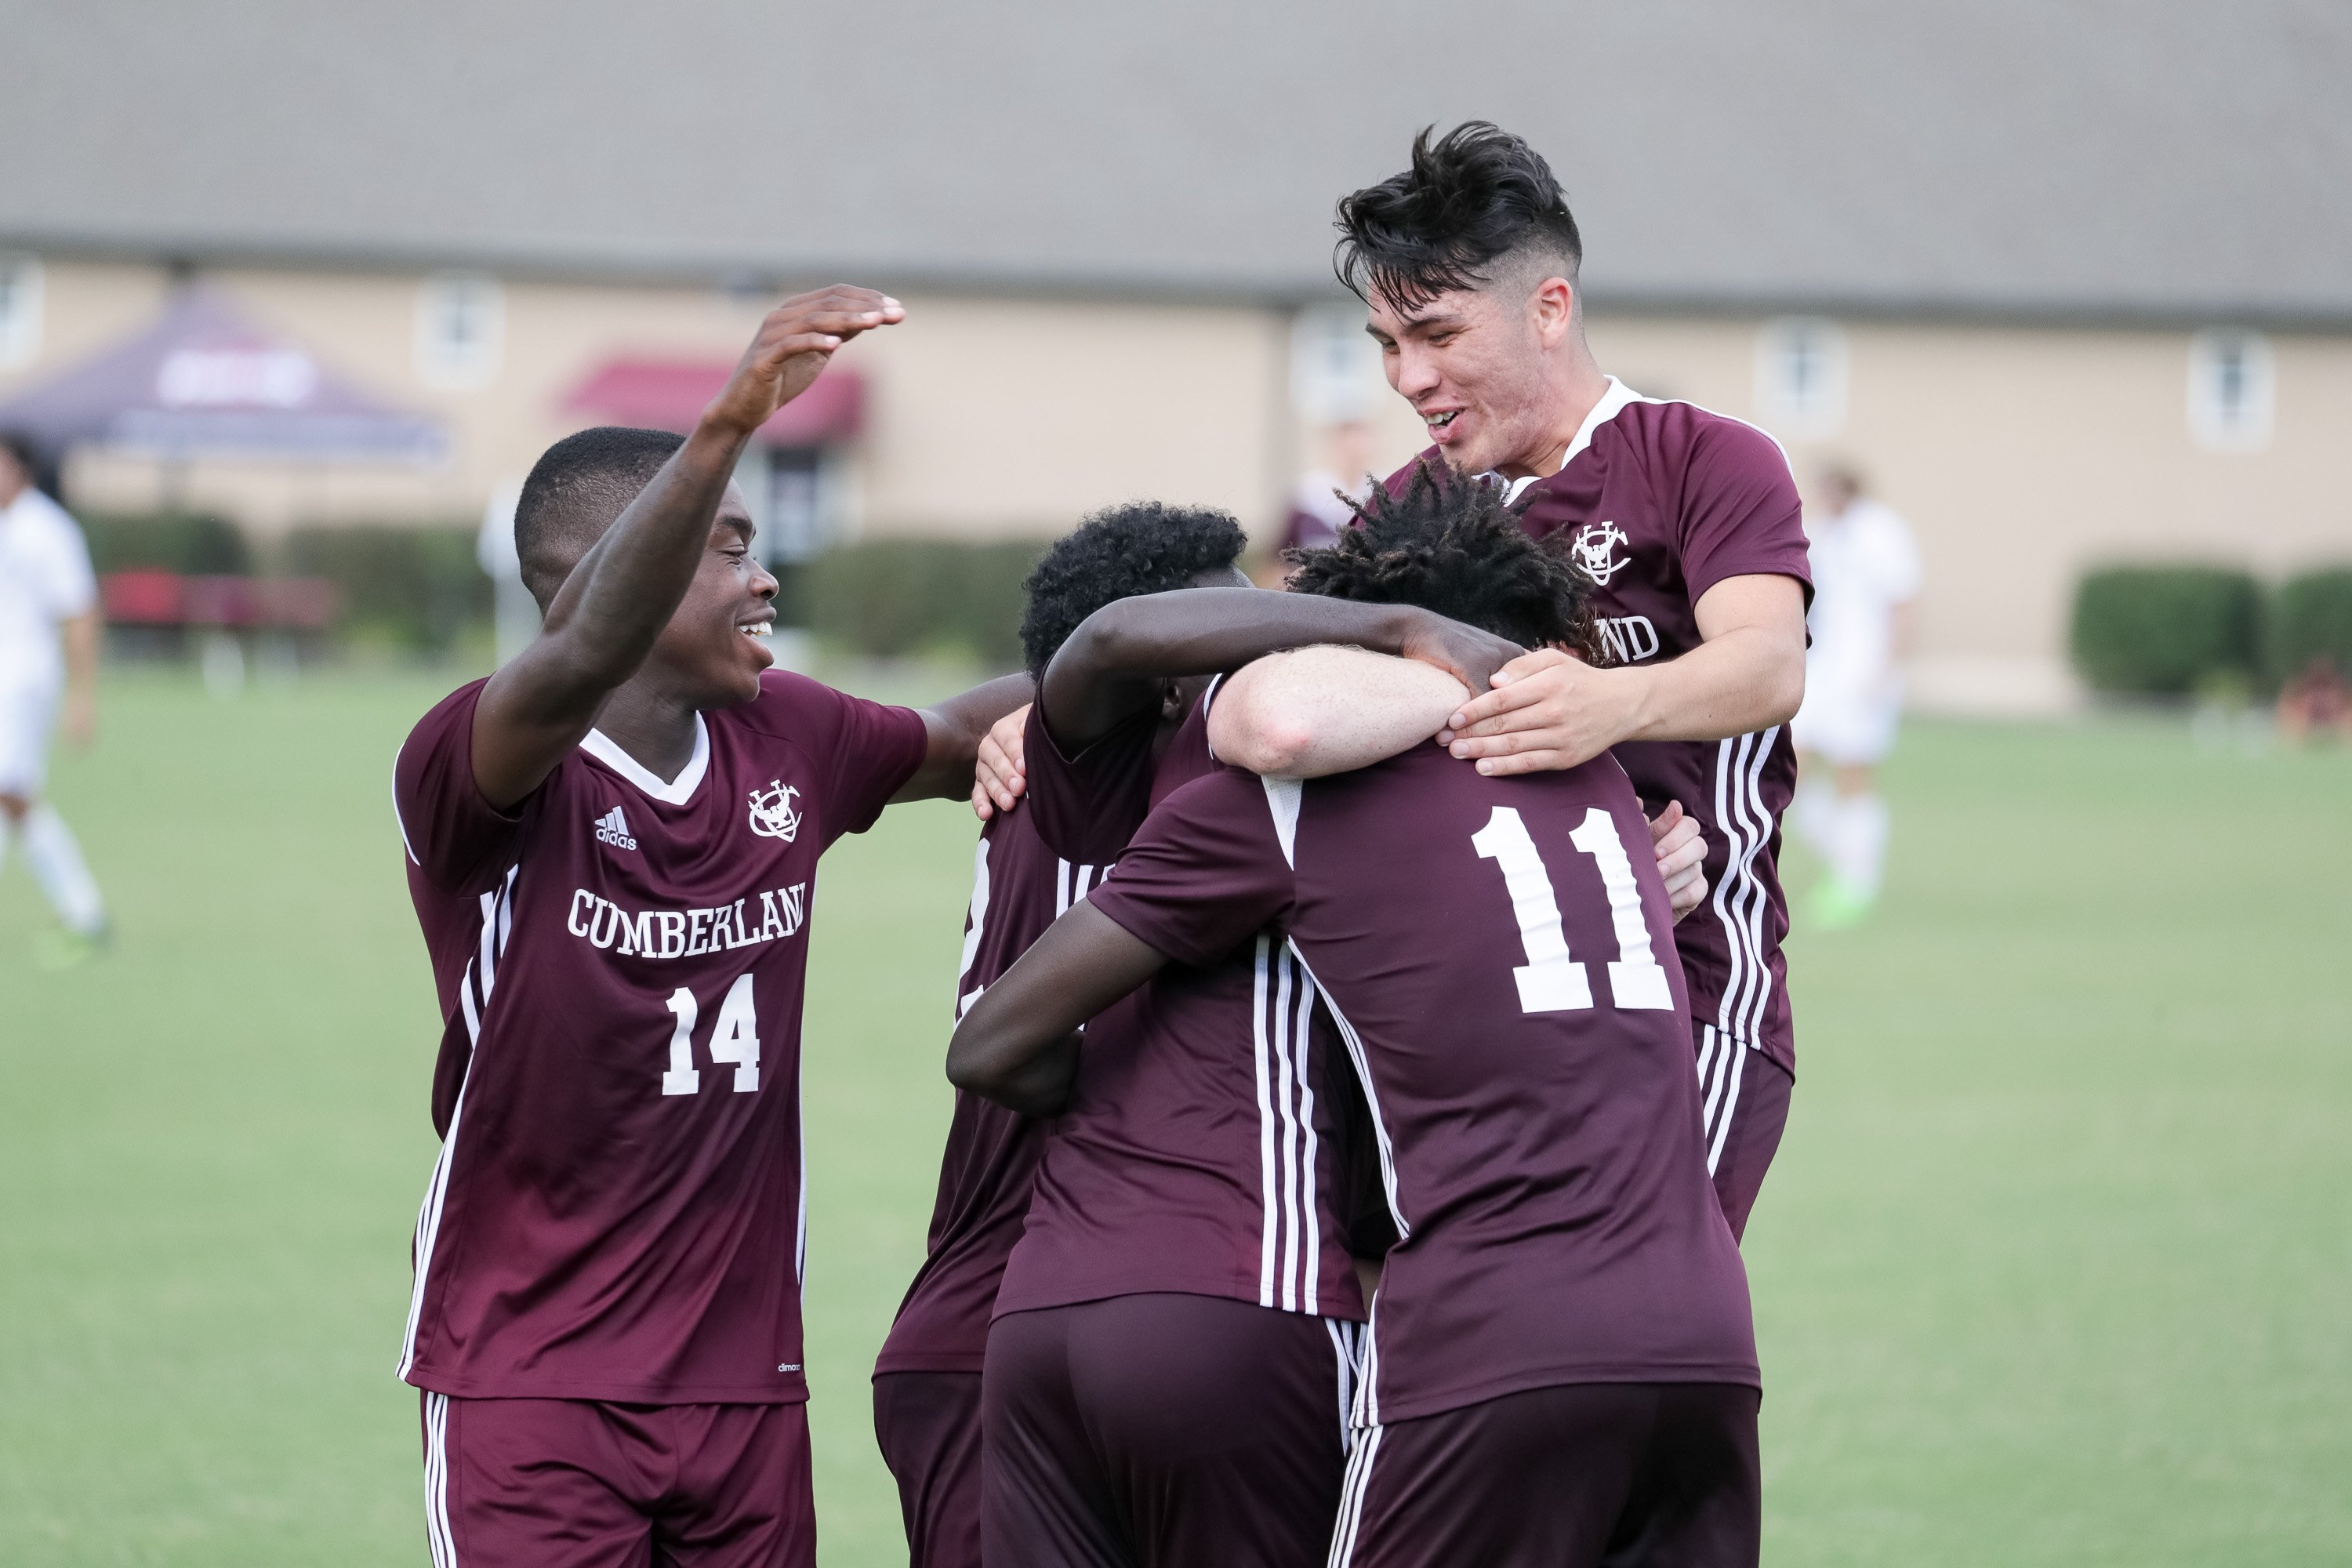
[[436, 1481]]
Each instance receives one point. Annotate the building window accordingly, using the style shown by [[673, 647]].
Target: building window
[[461, 328], [2233, 390], [1801, 375], [20, 309]]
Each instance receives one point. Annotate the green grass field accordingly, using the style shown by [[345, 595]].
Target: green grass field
[[2053, 1269]]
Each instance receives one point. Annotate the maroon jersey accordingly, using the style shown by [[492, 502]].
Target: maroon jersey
[[1661, 501], [1499, 954], [617, 1212], [1198, 1148], [1018, 889]]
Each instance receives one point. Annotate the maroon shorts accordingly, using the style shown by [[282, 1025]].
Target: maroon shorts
[[928, 1425], [1162, 1430], [589, 1485], [1633, 1475], [1744, 1108]]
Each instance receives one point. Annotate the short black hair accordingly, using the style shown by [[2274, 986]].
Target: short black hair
[[1471, 198], [1143, 547], [575, 491], [1454, 545]]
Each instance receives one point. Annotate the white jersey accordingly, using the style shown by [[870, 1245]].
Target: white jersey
[[1865, 569], [44, 579]]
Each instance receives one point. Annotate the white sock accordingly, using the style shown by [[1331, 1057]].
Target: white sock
[[1858, 855], [55, 862], [1816, 818]]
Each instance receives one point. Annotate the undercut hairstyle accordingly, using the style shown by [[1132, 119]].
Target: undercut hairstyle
[[1475, 205], [576, 490], [1454, 545], [1143, 547]]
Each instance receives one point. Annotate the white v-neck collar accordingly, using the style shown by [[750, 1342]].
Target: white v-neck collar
[[1612, 402], [677, 791]]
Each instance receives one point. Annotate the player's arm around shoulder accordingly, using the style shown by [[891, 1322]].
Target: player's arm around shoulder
[[955, 730], [1313, 711], [1018, 1045]]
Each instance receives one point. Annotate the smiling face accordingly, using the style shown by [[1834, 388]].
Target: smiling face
[[1475, 366], [716, 645]]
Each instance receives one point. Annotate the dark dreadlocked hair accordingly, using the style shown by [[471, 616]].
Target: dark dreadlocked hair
[[1143, 547], [1454, 545], [1472, 197]]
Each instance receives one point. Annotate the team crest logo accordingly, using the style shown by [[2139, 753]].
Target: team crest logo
[[1595, 549], [773, 816]]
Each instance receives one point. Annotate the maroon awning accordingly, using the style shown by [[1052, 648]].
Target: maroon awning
[[670, 394]]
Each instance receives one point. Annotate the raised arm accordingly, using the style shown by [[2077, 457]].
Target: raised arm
[[1018, 1045], [1318, 711], [606, 618], [1111, 664]]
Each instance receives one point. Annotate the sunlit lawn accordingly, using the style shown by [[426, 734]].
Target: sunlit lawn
[[2053, 1269]]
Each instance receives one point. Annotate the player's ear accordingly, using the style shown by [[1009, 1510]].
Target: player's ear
[[1171, 700]]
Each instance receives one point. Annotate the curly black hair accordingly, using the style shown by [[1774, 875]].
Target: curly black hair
[[1143, 547], [1474, 196], [1454, 545]]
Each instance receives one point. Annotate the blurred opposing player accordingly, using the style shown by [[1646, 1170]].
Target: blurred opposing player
[[1560, 1369], [613, 847], [1865, 577], [48, 649], [1688, 524], [1318, 502]]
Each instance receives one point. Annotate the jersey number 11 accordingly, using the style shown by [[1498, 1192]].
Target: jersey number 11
[[1550, 981]]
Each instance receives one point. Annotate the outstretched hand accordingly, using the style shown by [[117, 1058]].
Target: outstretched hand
[[795, 342]]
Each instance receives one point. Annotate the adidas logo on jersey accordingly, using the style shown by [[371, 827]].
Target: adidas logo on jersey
[[613, 828]]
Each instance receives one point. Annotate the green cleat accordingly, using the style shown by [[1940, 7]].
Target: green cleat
[[62, 950], [1836, 905]]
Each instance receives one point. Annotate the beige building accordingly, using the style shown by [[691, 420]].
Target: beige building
[[2066, 295]]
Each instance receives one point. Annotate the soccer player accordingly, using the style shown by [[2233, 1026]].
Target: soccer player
[[1561, 1367], [613, 847], [1688, 524], [1865, 576], [48, 602], [1186, 1195]]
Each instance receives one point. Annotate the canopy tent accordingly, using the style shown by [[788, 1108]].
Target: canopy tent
[[668, 395], [203, 380]]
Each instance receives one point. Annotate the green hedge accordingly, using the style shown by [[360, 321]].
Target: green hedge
[[419, 588], [2311, 616], [2167, 630], [191, 543], [887, 598]]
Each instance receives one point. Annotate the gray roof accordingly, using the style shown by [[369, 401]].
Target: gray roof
[[2099, 159]]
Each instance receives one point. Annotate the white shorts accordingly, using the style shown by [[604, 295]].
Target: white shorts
[[1850, 723], [27, 715]]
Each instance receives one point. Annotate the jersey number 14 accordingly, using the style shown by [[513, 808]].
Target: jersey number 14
[[734, 1040], [1550, 981]]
